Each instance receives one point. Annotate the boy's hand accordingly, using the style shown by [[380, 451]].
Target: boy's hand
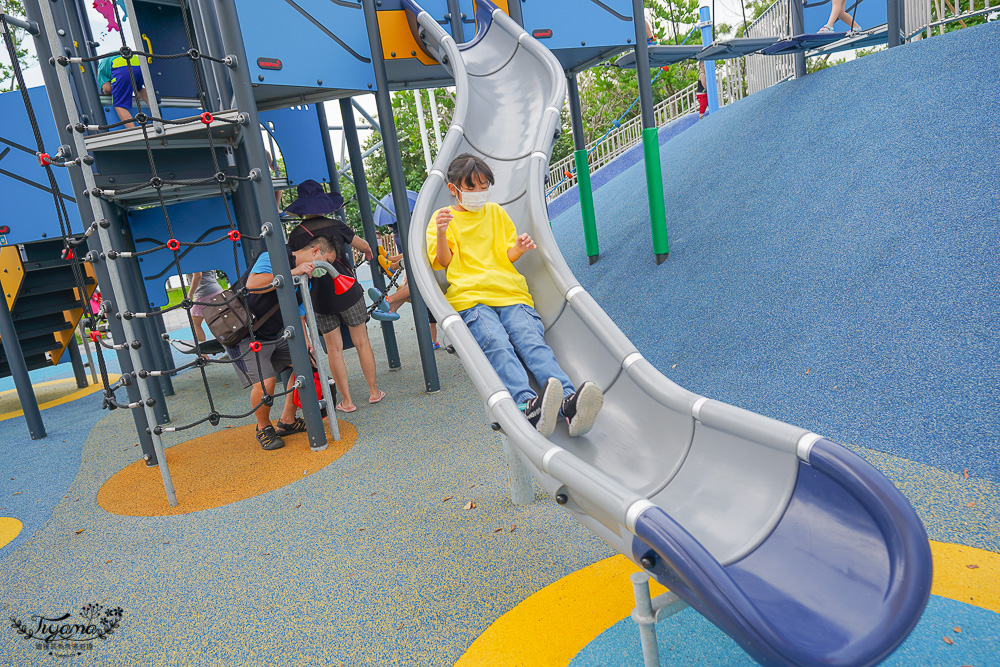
[[304, 268], [444, 216], [524, 243]]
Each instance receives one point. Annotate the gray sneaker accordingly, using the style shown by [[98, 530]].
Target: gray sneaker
[[581, 408], [543, 411]]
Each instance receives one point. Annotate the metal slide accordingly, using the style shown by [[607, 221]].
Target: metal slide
[[795, 547]]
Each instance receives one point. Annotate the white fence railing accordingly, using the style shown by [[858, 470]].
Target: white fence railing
[[731, 79], [765, 71], [562, 174], [923, 17]]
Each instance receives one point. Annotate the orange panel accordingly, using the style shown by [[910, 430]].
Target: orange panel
[[11, 273], [73, 317], [398, 40]]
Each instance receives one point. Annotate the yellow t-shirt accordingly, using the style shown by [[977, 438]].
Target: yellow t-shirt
[[480, 271]]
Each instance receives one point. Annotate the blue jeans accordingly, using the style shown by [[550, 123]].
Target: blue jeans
[[512, 334]]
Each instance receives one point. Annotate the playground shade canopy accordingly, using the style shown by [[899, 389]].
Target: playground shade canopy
[[795, 547]]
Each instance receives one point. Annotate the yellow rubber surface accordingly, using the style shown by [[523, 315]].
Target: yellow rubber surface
[[48, 394], [218, 469], [9, 529], [557, 622]]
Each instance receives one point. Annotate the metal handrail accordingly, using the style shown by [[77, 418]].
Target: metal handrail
[[319, 352]]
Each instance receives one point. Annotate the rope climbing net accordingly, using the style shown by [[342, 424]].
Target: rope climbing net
[[114, 253]]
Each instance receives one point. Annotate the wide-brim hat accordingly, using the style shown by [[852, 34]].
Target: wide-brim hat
[[313, 200]]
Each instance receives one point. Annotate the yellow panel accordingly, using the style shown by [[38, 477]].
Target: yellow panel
[[73, 317], [11, 273]]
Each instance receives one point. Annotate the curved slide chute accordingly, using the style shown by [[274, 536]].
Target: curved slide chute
[[795, 547]]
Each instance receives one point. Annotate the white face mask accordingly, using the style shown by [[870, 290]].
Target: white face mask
[[474, 201]]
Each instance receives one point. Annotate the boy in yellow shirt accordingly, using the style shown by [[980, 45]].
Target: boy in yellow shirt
[[477, 243]]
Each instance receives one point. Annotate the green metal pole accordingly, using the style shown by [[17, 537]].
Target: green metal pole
[[650, 138], [654, 186], [583, 172]]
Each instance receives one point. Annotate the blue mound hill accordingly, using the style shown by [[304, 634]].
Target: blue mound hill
[[833, 260]]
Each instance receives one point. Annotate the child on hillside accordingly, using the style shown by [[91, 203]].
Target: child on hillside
[[477, 243]]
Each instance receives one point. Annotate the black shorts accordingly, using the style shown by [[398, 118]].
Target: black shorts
[[274, 357]]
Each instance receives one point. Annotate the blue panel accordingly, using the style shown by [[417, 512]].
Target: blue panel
[[163, 26], [842, 579], [29, 209], [199, 221], [297, 132], [574, 22], [314, 40], [868, 14]]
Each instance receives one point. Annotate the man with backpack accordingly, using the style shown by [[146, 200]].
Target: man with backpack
[[262, 356]]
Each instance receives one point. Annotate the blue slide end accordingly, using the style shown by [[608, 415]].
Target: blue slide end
[[841, 580]]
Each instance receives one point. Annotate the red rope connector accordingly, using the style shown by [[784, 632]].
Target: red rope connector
[[255, 346], [234, 235], [567, 174], [174, 244], [207, 118], [68, 253], [95, 336], [44, 159]]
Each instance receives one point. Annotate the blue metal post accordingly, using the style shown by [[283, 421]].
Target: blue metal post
[[705, 14]]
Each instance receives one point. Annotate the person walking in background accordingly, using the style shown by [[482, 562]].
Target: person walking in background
[[837, 12], [204, 285], [701, 92]]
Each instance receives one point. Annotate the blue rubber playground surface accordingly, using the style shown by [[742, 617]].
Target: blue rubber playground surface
[[831, 266]]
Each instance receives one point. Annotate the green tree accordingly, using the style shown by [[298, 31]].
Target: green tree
[[8, 82], [608, 94], [404, 111]]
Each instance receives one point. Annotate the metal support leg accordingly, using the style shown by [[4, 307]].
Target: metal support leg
[[394, 165], [650, 139], [19, 371], [647, 612], [798, 28], [79, 372], [263, 191], [518, 477], [322, 361], [583, 172], [61, 97], [644, 618], [367, 219], [86, 348]]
